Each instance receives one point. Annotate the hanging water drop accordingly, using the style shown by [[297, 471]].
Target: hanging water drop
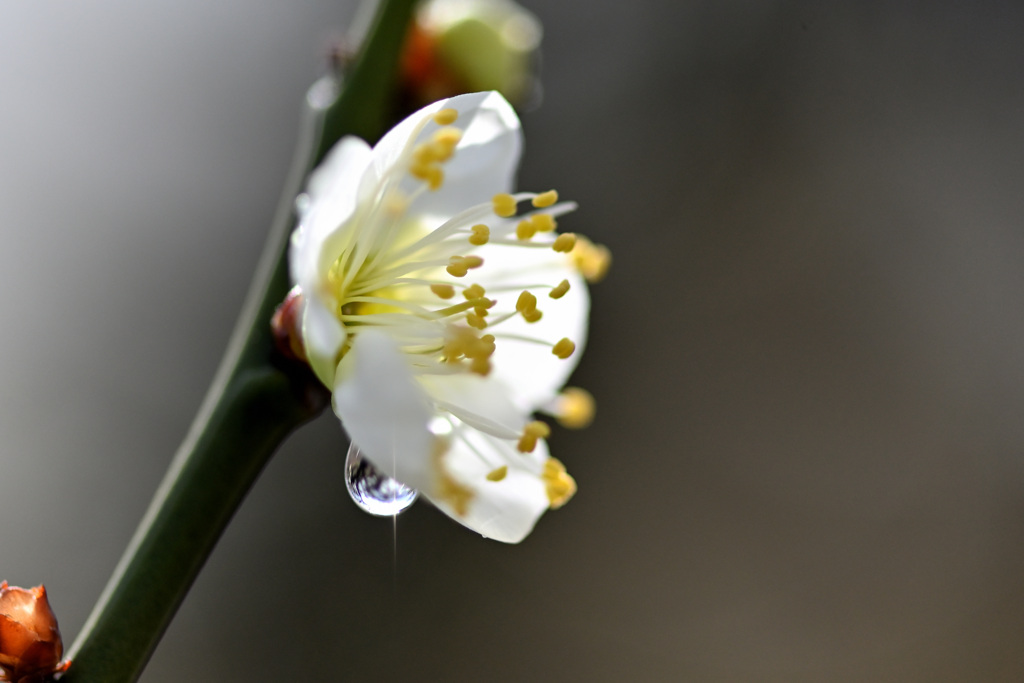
[[374, 491]]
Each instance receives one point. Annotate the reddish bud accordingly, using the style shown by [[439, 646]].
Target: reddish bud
[[30, 644], [286, 326]]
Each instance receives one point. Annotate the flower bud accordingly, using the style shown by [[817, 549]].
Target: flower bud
[[458, 46], [286, 326], [30, 643]]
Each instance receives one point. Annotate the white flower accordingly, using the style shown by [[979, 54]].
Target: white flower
[[440, 319]]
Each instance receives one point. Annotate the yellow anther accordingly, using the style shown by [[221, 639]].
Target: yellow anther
[[445, 117], [498, 474], [559, 290], [459, 341], [575, 408], [458, 266], [485, 347], [436, 179], [543, 222], [531, 433], [504, 205], [430, 172], [443, 291], [480, 366], [532, 316], [443, 143], [558, 484], [563, 348], [422, 154], [545, 199], [481, 311], [527, 443], [538, 429], [525, 229], [564, 243], [473, 320], [526, 302], [481, 234], [592, 260], [473, 292], [449, 137]]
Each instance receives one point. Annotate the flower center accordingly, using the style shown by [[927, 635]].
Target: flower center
[[396, 274]]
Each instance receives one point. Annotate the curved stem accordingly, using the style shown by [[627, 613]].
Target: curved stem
[[252, 405]]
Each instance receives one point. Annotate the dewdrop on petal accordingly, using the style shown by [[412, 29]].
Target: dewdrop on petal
[[30, 642], [420, 311]]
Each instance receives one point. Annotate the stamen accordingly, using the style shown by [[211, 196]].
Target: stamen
[[543, 222], [531, 433], [564, 243], [559, 290], [431, 173], [575, 408], [480, 366], [443, 291], [558, 485], [504, 205], [447, 137], [592, 260], [481, 233], [563, 348], [458, 308], [545, 199], [474, 320], [473, 292], [498, 474], [526, 302], [461, 342], [486, 346], [532, 316], [537, 428], [445, 117], [458, 266], [525, 229]]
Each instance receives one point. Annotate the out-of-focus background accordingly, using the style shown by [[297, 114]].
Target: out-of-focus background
[[809, 356]]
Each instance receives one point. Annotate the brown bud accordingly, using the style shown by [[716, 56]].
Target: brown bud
[[30, 644]]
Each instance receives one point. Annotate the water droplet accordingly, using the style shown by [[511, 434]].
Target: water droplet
[[374, 491]]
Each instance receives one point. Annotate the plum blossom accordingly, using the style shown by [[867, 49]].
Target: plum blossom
[[444, 312]]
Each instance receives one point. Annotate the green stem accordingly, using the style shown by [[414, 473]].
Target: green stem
[[252, 405]]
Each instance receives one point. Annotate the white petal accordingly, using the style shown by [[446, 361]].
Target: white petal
[[322, 336], [532, 373], [486, 159], [339, 172], [481, 402], [383, 410], [484, 163], [332, 190], [504, 510]]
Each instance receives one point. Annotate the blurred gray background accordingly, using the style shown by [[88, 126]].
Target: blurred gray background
[[809, 458]]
